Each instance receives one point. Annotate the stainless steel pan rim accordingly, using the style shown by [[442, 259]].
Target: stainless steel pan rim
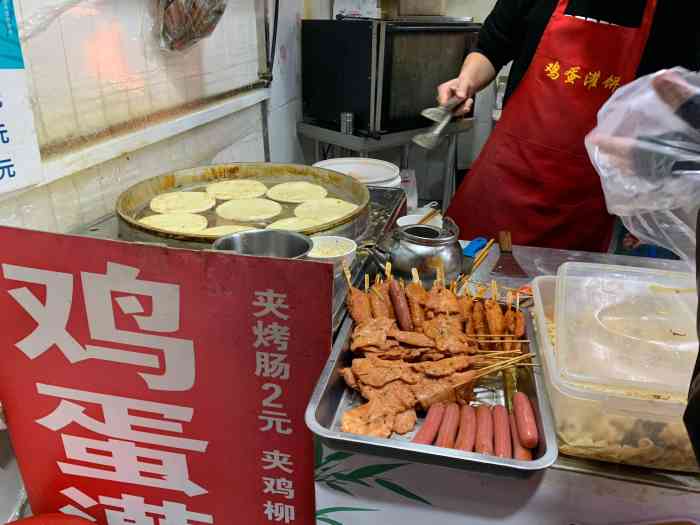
[[132, 201]]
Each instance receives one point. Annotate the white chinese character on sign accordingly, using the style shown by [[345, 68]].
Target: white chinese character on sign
[[279, 512], [271, 365], [271, 334], [133, 510], [118, 421], [277, 421], [279, 487], [271, 303], [274, 459], [82, 499], [178, 354], [52, 318], [125, 463]]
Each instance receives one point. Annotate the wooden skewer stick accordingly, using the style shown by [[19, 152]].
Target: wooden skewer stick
[[346, 273], [387, 271], [482, 256], [377, 280], [414, 274], [366, 282], [429, 216], [501, 366]]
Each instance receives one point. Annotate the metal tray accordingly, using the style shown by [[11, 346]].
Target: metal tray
[[332, 398], [132, 203]]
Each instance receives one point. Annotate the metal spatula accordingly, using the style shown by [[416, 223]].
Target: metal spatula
[[436, 114], [432, 138]]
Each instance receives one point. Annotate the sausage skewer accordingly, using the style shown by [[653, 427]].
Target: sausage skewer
[[401, 307]]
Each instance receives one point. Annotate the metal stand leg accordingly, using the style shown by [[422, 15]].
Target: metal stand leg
[[317, 151], [449, 181], [405, 152]]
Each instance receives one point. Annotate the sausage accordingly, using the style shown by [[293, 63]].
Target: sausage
[[448, 427], [403, 312], [359, 306], [525, 421], [467, 429], [431, 425], [380, 310], [484, 430], [519, 451], [501, 433]]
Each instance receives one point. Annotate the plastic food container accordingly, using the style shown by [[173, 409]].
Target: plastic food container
[[333, 250], [619, 345]]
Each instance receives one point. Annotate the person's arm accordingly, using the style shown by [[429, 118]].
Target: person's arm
[[499, 39]]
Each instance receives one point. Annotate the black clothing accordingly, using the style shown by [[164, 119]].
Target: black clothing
[[514, 28]]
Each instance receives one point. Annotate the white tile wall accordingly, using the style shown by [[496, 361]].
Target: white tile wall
[[99, 65], [84, 197], [285, 102]]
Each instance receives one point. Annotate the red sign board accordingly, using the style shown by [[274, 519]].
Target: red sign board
[[150, 386]]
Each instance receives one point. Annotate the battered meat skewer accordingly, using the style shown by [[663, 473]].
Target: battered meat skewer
[[417, 298], [494, 317], [357, 301]]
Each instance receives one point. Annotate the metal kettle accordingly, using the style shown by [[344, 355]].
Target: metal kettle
[[425, 248]]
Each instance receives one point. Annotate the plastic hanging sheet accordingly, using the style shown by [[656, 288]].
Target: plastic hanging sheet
[[183, 23], [646, 149]]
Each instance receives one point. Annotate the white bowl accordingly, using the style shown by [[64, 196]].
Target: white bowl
[[410, 220], [333, 250]]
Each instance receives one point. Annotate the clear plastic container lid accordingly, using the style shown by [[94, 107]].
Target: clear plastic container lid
[[626, 331]]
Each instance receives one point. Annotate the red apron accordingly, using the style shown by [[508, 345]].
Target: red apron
[[533, 177]]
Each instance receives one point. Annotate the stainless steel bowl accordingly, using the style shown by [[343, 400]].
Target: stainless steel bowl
[[266, 243]]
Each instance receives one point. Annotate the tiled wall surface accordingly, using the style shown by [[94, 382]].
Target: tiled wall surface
[[99, 64], [87, 196], [285, 102]]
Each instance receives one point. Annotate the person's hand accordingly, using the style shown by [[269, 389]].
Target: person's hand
[[462, 88], [679, 95]]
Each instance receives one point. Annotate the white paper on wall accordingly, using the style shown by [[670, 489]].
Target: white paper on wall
[[20, 164]]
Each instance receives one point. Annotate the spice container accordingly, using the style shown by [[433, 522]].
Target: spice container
[[619, 362]]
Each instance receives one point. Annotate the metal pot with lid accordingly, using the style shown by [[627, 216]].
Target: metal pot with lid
[[425, 248]]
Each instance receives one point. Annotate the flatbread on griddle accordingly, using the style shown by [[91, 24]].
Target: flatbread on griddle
[[295, 224], [324, 210], [236, 189], [220, 231], [176, 222], [296, 192], [183, 202], [249, 210]]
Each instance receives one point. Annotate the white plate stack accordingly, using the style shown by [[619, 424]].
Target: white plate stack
[[371, 172]]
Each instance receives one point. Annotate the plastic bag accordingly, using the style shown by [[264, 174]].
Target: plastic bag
[[646, 149], [42, 17], [183, 23]]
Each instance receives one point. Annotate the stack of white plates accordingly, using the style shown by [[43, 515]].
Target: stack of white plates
[[372, 172]]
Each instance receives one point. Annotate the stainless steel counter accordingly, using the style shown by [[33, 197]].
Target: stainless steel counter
[[519, 268]]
